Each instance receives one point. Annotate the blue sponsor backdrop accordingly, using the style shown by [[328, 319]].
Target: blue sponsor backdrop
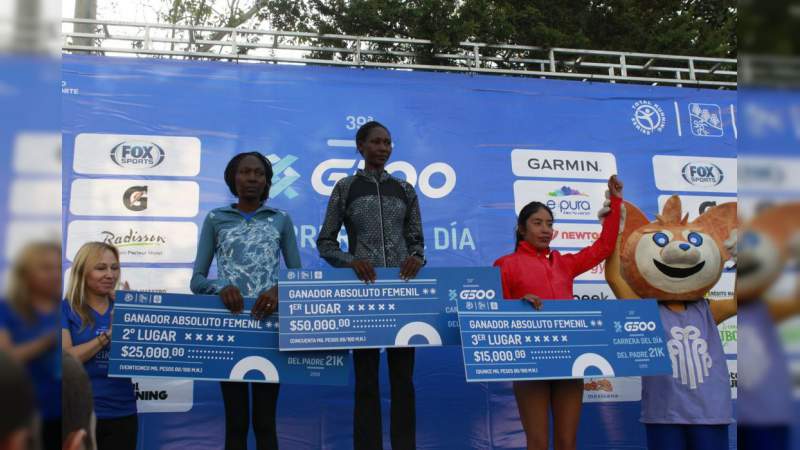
[[453, 134]]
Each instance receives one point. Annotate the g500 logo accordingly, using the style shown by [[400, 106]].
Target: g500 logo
[[477, 294], [283, 176], [328, 172], [640, 326]]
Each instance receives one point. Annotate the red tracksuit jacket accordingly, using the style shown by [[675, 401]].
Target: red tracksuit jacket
[[548, 274]]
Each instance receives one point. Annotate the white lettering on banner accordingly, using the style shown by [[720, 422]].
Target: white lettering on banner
[[138, 242], [38, 153], [452, 237], [328, 172], [695, 173], [21, 233], [562, 164], [695, 204], [163, 395], [575, 235], [125, 154], [568, 200], [144, 198], [36, 197]]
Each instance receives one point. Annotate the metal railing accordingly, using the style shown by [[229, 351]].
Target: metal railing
[[254, 45]]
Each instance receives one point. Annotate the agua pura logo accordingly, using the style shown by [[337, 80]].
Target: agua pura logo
[[702, 174], [569, 207], [137, 154], [566, 191]]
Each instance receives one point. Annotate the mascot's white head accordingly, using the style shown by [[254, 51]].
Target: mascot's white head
[[672, 258]]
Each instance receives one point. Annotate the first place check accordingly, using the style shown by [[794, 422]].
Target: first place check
[[332, 309], [195, 337]]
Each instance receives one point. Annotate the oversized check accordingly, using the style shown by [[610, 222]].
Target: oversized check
[[194, 336], [332, 309], [509, 340]]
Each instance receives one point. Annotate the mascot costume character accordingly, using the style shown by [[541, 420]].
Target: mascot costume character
[[677, 262]]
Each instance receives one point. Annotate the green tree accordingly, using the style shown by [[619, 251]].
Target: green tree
[[692, 27]]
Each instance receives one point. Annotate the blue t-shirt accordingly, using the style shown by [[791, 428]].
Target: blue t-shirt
[[113, 397], [42, 369], [247, 247]]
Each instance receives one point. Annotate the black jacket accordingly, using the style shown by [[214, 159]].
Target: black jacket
[[382, 220]]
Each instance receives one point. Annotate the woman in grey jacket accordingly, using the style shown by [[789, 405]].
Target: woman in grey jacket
[[384, 229]]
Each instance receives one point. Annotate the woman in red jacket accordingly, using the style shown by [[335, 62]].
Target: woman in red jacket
[[535, 272]]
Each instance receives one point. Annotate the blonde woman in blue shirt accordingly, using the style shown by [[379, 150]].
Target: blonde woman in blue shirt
[[247, 238]]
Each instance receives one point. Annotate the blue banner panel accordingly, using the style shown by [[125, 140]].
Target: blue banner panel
[[476, 148], [509, 340], [196, 337]]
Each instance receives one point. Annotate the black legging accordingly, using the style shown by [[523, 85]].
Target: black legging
[[118, 433], [51, 434], [237, 414], [367, 433]]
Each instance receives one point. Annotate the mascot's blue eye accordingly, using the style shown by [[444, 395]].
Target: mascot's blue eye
[[661, 239], [695, 239], [750, 239]]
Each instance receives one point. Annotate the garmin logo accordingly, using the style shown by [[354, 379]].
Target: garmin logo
[[574, 165], [137, 154]]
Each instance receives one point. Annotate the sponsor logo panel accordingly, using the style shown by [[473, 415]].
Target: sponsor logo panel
[[145, 198], [562, 164], [568, 200], [576, 235], [36, 197], [769, 174], [599, 390], [138, 242], [594, 291], [163, 395], [122, 154], [37, 153], [695, 173], [22, 232]]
